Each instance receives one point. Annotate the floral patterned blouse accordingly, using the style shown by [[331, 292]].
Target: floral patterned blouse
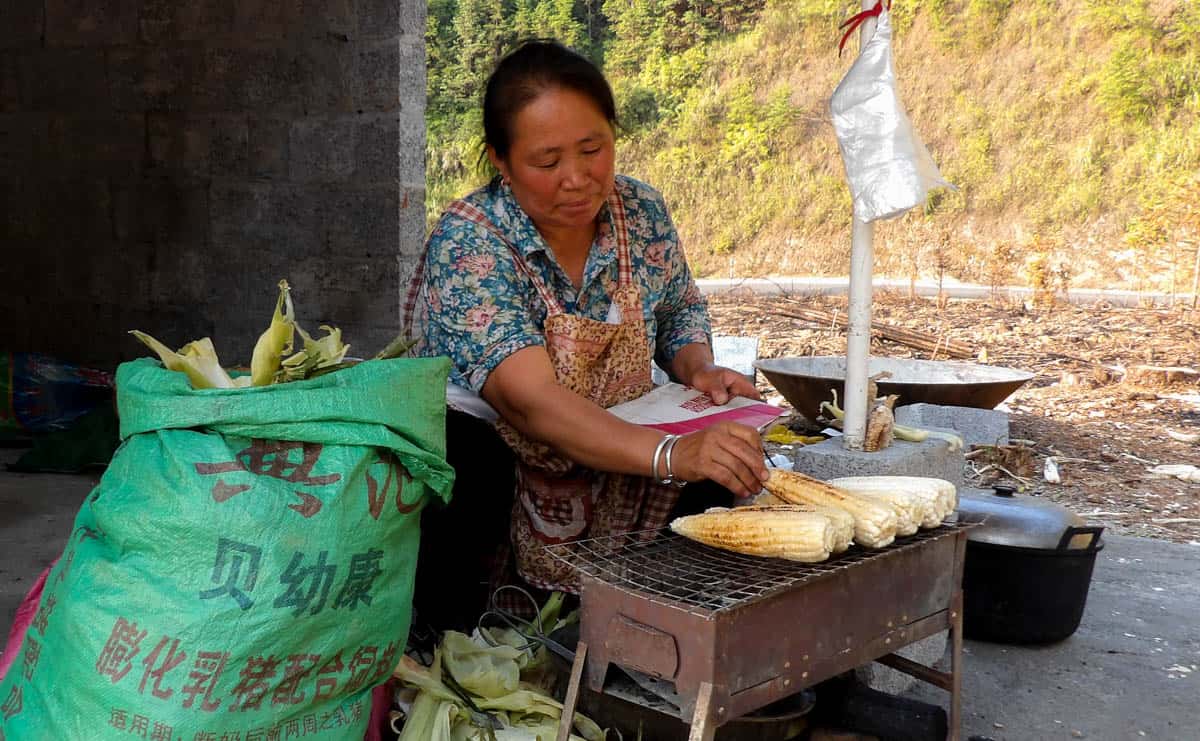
[[475, 307]]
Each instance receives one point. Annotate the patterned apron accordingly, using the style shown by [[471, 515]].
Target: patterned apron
[[557, 500]]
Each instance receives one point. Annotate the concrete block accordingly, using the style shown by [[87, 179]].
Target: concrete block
[[975, 426], [65, 80], [160, 211], [247, 79], [385, 19], [35, 267], [322, 149], [268, 146], [91, 22], [170, 20], [326, 19], [379, 148], [828, 460], [153, 79], [381, 71], [324, 78], [21, 23], [10, 82], [96, 145], [199, 146], [263, 20], [361, 222], [183, 273], [118, 279], [412, 226], [75, 208], [22, 141], [265, 217], [412, 145], [360, 295]]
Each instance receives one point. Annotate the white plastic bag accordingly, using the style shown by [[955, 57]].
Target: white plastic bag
[[887, 165]]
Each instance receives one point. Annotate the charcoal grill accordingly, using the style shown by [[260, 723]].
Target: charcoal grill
[[736, 633]]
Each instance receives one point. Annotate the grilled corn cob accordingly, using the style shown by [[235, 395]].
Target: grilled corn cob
[[796, 536], [762, 499], [874, 522], [843, 522], [942, 492], [910, 511]]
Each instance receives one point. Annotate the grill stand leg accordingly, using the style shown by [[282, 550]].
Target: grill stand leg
[[568, 712], [956, 641], [951, 682], [703, 727]]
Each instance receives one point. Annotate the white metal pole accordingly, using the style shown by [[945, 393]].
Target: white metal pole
[[858, 336]]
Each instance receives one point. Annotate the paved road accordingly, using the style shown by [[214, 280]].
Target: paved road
[[1131, 671]]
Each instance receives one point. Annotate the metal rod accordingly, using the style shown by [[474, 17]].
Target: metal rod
[[568, 713], [924, 673], [858, 334]]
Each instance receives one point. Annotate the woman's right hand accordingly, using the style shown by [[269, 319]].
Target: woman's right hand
[[727, 453]]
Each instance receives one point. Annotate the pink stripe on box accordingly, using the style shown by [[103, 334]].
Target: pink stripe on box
[[755, 416]]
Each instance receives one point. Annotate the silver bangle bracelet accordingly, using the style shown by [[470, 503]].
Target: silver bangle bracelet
[[671, 471], [662, 444]]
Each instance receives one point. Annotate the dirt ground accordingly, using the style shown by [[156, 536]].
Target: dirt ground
[[1104, 427]]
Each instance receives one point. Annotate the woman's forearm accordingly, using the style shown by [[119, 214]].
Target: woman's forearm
[[586, 433], [524, 390], [690, 360]]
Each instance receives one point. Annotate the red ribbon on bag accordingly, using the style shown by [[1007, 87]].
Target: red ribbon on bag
[[857, 20]]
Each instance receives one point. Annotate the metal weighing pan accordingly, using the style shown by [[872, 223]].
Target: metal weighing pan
[[806, 382]]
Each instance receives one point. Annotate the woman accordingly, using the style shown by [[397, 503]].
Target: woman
[[551, 290]]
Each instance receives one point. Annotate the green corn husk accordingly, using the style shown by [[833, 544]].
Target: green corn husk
[[275, 342], [324, 354], [197, 360]]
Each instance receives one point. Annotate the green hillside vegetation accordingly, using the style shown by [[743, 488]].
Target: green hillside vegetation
[[1071, 128]]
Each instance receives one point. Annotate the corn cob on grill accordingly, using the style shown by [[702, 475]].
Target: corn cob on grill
[[874, 521], [940, 492], [843, 522], [807, 537], [909, 511]]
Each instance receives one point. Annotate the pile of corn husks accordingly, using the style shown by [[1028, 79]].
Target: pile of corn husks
[[273, 360], [492, 685]]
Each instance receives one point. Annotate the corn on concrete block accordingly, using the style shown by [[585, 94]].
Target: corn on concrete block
[[975, 426], [829, 460]]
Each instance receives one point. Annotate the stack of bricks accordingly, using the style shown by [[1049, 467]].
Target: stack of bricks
[[163, 164]]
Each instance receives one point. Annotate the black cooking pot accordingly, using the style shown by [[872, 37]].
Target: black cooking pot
[[1028, 568]]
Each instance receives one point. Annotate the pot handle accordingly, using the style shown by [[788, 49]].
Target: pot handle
[[1072, 531]]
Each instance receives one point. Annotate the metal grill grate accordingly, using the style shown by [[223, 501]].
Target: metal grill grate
[[673, 570]]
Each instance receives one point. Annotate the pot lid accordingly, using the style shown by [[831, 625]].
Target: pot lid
[[1013, 519]]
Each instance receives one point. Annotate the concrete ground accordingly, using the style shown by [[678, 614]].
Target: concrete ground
[[1131, 671]]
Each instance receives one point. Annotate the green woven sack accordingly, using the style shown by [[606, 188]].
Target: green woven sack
[[244, 569]]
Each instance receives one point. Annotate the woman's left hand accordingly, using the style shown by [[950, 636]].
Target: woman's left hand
[[722, 384]]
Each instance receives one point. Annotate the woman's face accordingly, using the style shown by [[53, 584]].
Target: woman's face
[[560, 161]]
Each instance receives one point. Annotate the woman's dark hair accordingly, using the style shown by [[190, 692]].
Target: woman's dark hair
[[528, 71]]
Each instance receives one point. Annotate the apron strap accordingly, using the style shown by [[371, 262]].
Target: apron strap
[[616, 206]]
